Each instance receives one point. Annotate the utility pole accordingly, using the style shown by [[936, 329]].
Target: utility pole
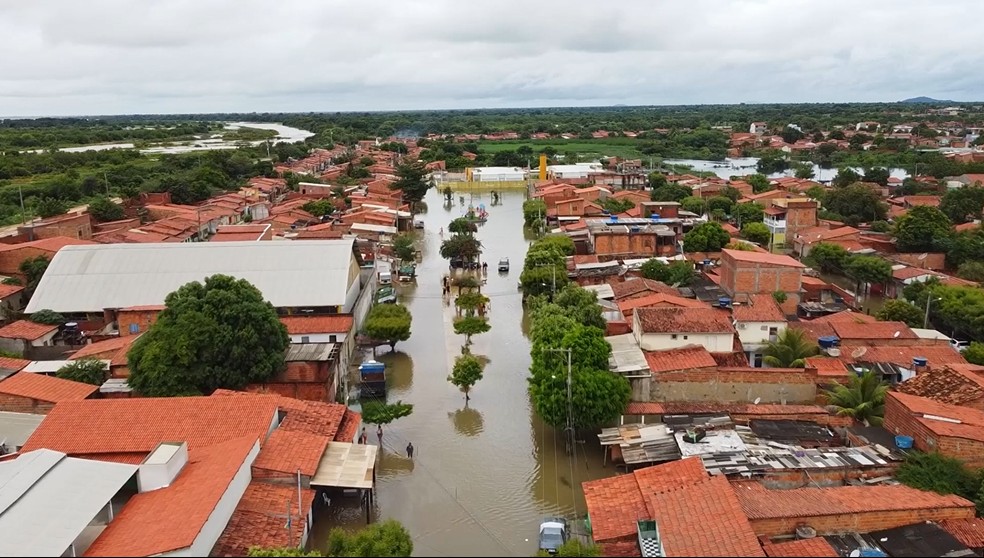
[[926, 319], [570, 401]]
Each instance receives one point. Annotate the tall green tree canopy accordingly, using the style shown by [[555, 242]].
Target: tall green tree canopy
[[757, 233], [220, 334], [378, 412], [86, 371], [923, 229], [412, 181], [706, 237], [856, 203], [461, 246], [466, 372], [963, 204], [749, 213], [675, 273], [581, 305], [900, 311], [868, 269], [386, 539], [759, 182], [33, 270], [389, 323], [103, 209], [828, 257]]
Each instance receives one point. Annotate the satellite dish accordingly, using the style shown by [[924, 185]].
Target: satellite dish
[[757, 400], [859, 352], [923, 257], [897, 333], [855, 553]]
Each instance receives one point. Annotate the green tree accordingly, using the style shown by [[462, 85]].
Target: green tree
[[617, 205], [791, 135], [804, 171], [378, 412], [828, 257], [671, 192], [386, 539], [449, 195], [33, 270], [47, 317], [719, 203], [581, 305], [462, 226], [971, 271], [675, 273], [965, 246], [319, 208], [598, 397], [900, 311], [938, 473], [757, 233], [693, 204], [868, 269], [534, 211], [974, 353], [104, 210], [412, 181], [573, 548], [878, 175], [220, 334], [461, 247], [881, 226], [818, 193], [923, 229], [845, 177], [657, 180], [470, 302], [404, 248], [261, 552], [471, 325], [706, 237], [731, 193], [749, 213], [857, 204], [963, 204], [759, 182], [49, 207], [863, 398], [779, 296], [86, 371], [389, 323], [559, 242], [789, 350], [465, 373]]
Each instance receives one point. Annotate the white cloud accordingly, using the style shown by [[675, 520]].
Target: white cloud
[[120, 56]]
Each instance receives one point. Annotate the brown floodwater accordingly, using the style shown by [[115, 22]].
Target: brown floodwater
[[483, 474]]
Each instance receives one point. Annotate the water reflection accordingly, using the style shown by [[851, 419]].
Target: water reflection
[[467, 421], [399, 370]]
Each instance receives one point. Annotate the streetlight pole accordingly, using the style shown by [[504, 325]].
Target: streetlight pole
[[570, 400], [926, 318]]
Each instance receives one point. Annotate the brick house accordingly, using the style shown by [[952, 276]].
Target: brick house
[[657, 329], [72, 225], [759, 321], [21, 336], [311, 374], [13, 255], [950, 429], [11, 301], [746, 273], [636, 287], [25, 392], [114, 350], [953, 385], [134, 320]]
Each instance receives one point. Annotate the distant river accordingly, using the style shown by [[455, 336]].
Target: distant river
[[746, 165]]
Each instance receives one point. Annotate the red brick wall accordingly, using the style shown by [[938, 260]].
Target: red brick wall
[[143, 319], [970, 452], [862, 522], [743, 385], [17, 404], [641, 244], [899, 420], [834, 421], [739, 376], [79, 226], [799, 216], [11, 259], [314, 391], [304, 372]]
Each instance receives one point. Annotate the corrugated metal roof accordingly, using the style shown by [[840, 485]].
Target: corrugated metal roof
[[93, 278], [34, 490], [311, 352], [16, 428]]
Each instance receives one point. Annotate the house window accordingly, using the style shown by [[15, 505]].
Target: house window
[[673, 336], [333, 339], [757, 360], [305, 339], [773, 333], [134, 329], [685, 337]]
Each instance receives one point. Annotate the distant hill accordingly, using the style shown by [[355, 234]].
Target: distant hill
[[925, 100]]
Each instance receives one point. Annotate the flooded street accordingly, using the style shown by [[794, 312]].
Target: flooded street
[[483, 476]]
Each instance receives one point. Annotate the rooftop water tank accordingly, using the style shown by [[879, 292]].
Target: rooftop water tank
[[828, 341], [614, 218], [918, 362], [654, 215], [724, 302]]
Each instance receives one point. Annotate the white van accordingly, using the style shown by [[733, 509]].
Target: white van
[[385, 277]]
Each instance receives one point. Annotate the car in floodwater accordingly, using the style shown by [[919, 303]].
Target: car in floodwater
[[553, 534], [503, 264]]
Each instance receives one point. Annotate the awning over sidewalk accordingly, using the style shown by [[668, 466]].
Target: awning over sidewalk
[[345, 465]]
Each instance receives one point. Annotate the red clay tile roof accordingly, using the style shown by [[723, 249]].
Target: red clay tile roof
[[658, 300], [7, 290], [684, 358], [845, 316], [26, 329], [349, 427], [614, 505], [970, 427], [259, 519], [904, 273], [622, 289], [760, 308], [52, 244], [710, 504], [761, 503], [823, 234], [645, 408], [804, 548], [46, 388], [968, 531], [139, 424], [298, 325], [107, 348], [171, 518], [684, 320], [313, 417], [621, 549], [874, 330], [829, 367], [10, 363], [937, 355], [731, 360], [760, 258], [135, 458], [287, 451], [682, 408], [931, 201], [946, 385]]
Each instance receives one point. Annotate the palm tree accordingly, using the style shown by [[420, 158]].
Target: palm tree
[[790, 350], [863, 398]]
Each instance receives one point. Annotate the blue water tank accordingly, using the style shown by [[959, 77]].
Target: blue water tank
[[724, 302], [654, 215], [634, 229], [919, 361], [614, 218], [871, 552], [372, 366], [828, 341], [903, 442]]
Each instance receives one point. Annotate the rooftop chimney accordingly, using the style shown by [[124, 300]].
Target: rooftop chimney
[[162, 466]]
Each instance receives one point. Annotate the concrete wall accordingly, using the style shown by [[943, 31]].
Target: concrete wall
[[754, 334], [736, 385], [862, 522], [319, 338], [713, 342]]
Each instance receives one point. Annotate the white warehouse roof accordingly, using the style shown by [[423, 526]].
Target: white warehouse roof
[[47, 500], [289, 274]]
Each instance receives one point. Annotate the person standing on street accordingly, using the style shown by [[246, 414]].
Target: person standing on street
[[410, 450]]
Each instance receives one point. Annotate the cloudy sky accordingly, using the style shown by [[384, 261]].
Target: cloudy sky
[[66, 57]]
